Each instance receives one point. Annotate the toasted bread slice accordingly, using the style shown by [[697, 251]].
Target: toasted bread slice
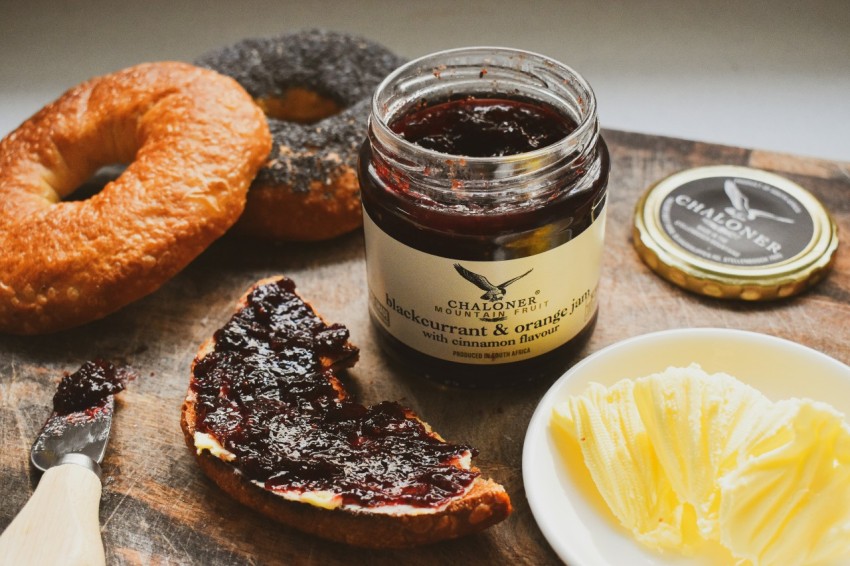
[[329, 511]]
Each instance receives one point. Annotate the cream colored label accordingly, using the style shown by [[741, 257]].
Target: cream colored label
[[483, 312]]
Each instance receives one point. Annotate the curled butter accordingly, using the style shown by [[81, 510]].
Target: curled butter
[[682, 457]]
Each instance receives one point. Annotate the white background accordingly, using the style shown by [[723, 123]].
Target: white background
[[759, 74]]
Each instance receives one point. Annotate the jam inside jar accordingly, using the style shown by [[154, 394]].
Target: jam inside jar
[[484, 182]]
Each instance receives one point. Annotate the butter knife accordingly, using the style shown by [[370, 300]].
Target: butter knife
[[60, 523]]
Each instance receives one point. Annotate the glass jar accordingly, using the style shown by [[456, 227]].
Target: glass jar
[[483, 271]]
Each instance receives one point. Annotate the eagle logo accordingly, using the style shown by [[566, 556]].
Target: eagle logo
[[740, 209], [492, 292]]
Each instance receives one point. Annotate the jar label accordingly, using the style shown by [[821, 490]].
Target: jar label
[[483, 312]]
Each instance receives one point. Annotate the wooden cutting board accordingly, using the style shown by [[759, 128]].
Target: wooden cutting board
[[158, 508]]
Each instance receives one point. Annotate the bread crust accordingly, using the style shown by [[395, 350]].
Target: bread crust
[[484, 504], [315, 86], [326, 210], [193, 139]]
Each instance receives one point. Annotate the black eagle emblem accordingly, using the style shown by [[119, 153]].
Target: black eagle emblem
[[740, 208], [492, 292]]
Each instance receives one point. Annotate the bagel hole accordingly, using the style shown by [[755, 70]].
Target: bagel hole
[[299, 105], [95, 183]]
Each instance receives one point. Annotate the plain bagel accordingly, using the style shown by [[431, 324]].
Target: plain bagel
[[315, 87], [193, 140]]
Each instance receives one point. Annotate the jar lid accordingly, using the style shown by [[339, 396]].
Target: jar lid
[[734, 233]]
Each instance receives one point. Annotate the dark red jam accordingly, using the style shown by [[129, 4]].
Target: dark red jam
[[470, 229], [265, 394], [87, 387], [483, 127]]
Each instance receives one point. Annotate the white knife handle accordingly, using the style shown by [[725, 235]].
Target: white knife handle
[[60, 523]]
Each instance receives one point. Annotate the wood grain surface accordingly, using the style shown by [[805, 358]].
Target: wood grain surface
[[157, 507]]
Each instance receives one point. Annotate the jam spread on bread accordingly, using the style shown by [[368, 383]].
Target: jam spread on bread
[[268, 395]]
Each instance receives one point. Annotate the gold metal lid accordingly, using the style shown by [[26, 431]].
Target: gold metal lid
[[735, 233]]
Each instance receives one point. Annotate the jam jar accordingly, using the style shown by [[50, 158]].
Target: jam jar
[[484, 182]]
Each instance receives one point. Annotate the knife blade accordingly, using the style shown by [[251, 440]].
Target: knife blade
[[60, 523], [82, 432]]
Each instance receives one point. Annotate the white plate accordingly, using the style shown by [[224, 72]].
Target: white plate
[[563, 499]]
